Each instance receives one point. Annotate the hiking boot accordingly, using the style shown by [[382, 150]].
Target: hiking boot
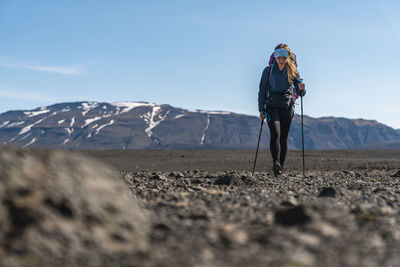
[[277, 169]]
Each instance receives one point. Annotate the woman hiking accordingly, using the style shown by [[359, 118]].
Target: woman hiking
[[280, 85]]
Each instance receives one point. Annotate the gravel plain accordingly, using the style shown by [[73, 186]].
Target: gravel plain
[[205, 208], [198, 208]]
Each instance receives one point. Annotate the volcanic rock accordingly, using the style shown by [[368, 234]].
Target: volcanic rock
[[223, 180], [327, 192], [292, 216], [234, 178], [396, 175], [58, 207]]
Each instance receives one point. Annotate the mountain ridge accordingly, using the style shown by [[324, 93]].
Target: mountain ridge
[[144, 125]]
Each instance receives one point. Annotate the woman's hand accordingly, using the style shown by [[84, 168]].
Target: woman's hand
[[262, 115], [302, 86]]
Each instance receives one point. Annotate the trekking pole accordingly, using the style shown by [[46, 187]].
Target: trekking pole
[[302, 133], [258, 143]]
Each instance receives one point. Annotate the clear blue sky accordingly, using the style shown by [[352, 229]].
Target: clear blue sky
[[200, 54]]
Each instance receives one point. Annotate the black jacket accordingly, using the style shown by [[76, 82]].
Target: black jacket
[[275, 88]]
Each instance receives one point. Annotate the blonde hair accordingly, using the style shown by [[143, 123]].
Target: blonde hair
[[290, 66]]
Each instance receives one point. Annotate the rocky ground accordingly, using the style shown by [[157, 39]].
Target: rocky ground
[[328, 218], [206, 209], [201, 208]]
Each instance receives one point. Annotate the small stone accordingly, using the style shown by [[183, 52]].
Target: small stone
[[212, 235], [308, 239], [179, 175], [233, 235], [327, 229], [292, 216], [223, 180], [396, 175], [379, 190], [199, 216], [240, 237], [300, 257], [207, 255], [197, 181], [269, 218], [387, 211], [376, 241], [327, 192], [159, 177], [290, 202], [128, 178]]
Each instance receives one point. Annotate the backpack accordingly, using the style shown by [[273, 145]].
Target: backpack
[[294, 91]]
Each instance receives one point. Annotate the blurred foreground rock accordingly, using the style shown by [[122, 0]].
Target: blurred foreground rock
[[61, 209]]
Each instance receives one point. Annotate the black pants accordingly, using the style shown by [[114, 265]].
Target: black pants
[[279, 126]]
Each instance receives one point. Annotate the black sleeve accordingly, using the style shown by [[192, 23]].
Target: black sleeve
[[262, 92]]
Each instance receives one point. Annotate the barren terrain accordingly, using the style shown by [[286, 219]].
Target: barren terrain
[[242, 160], [206, 209], [198, 208]]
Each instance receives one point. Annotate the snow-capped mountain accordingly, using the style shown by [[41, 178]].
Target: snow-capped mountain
[[118, 125], [141, 125]]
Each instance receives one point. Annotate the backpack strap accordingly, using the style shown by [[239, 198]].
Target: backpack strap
[[270, 72], [295, 95], [269, 77]]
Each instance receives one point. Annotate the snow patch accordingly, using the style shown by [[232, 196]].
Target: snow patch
[[216, 112], [89, 121], [69, 130], [205, 130], [31, 142], [66, 109], [42, 110], [104, 125], [72, 122], [88, 106], [4, 124], [179, 116], [149, 118], [29, 127], [128, 106], [24, 137], [17, 123], [65, 141], [211, 112], [60, 121]]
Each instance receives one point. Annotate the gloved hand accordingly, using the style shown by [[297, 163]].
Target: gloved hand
[[264, 115], [302, 88]]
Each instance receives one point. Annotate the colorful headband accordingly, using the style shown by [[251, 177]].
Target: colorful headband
[[281, 52]]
